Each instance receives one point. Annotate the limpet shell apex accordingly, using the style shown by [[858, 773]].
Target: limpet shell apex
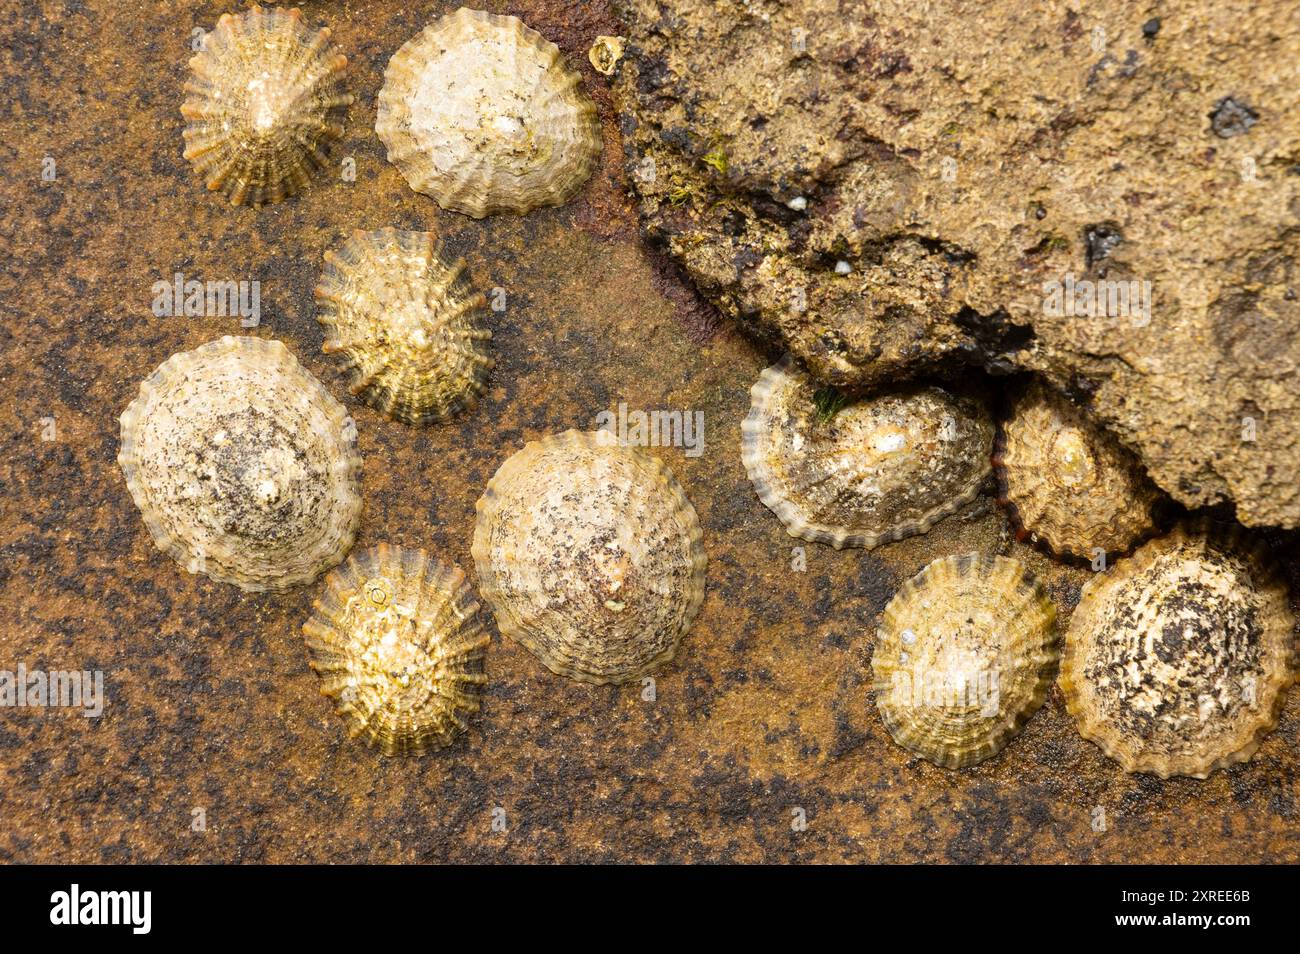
[[481, 112], [1067, 484], [265, 98], [879, 469], [1177, 659], [965, 654], [398, 644], [243, 465], [404, 318], [591, 556]]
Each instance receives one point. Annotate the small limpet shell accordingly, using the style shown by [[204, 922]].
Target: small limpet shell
[[404, 319], [397, 642], [265, 98], [965, 654], [1177, 659], [591, 556], [243, 465], [879, 469], [1066, 483], [482, 113]]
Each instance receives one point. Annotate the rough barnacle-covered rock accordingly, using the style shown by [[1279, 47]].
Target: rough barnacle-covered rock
[[482, 113], [963, 191], [876, 470], [1177, 659], [1069, 484], [591, 556], [265, 99], [404, 319], [243, 465], [398, 644], [965, 654]]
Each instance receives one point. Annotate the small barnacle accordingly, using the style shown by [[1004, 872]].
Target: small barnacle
[[965, 654], [1177, 659], [403, 317], [265, 98], [243, 465], [482, 113], [865, 473], [591, 556], [1066, 483], [605, 54], [397, 642]]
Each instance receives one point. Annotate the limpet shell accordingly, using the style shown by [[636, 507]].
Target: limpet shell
[[403, 317], [1177, 658], [398, 644], [965, 654], [265, 99], [243, 465], [1068, 484], [482, 113], [591, 556], [879, 469]]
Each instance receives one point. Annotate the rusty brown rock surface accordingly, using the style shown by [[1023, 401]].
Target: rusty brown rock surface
[[951, 159], [211, 703]]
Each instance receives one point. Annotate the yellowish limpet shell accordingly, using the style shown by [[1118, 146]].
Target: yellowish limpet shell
[[590, 555], [397, 642], [482, 113], [1177, 659], [243, 465], [879, 469], [1069, 485], [965, 654], [265, 99], [404, 318]]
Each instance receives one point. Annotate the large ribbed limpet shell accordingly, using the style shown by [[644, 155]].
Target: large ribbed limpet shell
[[265, 99], [483, 114], [1177, 659], [879, 469], [1068, 484], [965, 654], [398, 644], [404, 319], [591, 556], [243, 465]]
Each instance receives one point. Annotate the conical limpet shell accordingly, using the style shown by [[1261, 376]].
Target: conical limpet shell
[[965, 654], [1177, 659], [398, 644], [404, 318], [242, 464], [879, 469], [265, 98], [590, 555], [483, 114], [1068, 484]]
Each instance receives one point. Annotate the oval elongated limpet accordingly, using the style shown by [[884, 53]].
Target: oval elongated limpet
[[397, 642], [591, 556], [404, 319], [965, 654], [265, 98], [876, 470], [1177, 659], [483, 114], [243, 465], [1067, 484]]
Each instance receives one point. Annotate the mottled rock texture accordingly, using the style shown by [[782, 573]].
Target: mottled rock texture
[[885, 188]]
